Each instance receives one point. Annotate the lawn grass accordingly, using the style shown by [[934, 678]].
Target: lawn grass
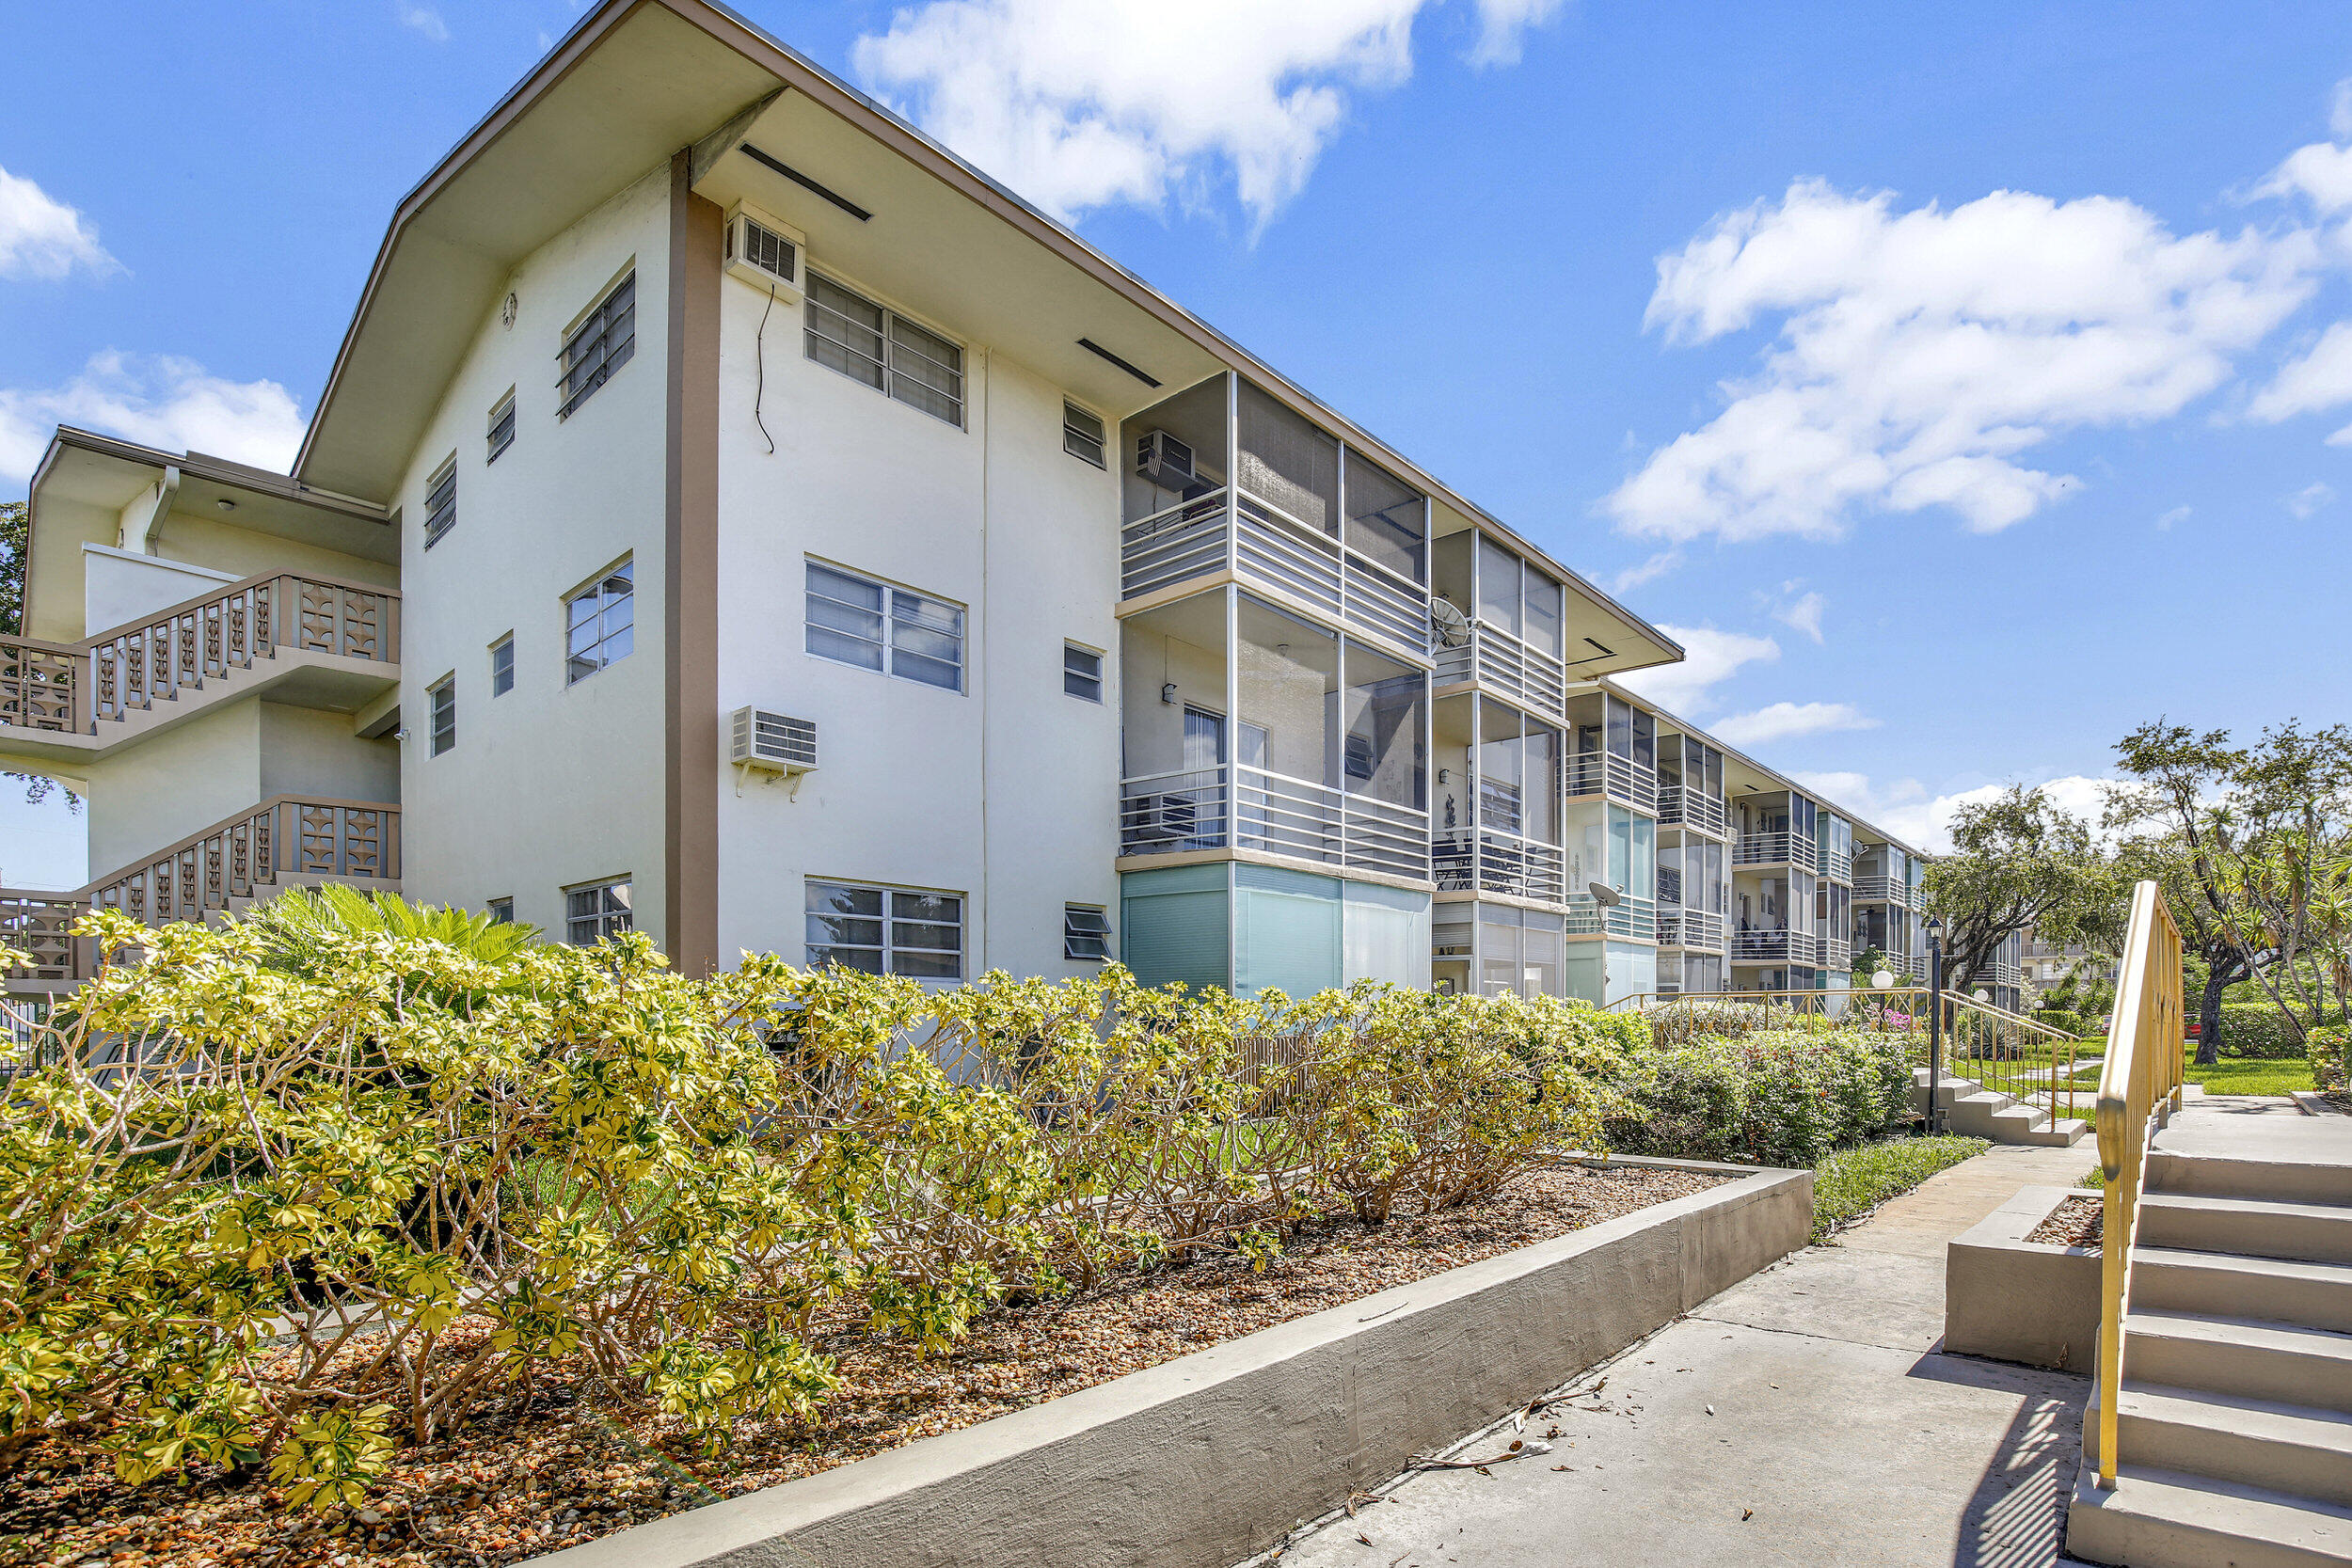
[[2231, 1074], [1853, 1182]]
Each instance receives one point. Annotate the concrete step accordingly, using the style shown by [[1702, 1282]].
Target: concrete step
[[2162, 1519], [2256, 1227], [2295, 1450], [2231, 1176], [2223, 1285], [2240, 1357]]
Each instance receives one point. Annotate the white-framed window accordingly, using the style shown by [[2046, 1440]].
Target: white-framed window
[[502, 425], [874, 625], [1082, 672], [502, 665], [440, 501], [599, 623], [1086, 931], [1082, 433], [874, 344], [596, 911], [914, 932], [444, 694], [605, 339], [501, 912]]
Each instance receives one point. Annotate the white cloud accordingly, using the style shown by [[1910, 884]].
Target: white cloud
[[2321, 378], [1786, 721], [1802, 613], [1656, 566], [2177, 515], [424, 18], [1904, 808], [41, 237], [1919, 354], [2311, 497], [1710, 657], [2320, 174], [158, 400], [1084, 104]]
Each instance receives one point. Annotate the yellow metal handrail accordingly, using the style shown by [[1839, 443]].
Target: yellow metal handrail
[[2139, 1085]]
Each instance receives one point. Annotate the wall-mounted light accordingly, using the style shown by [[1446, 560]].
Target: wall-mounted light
[[226, 504], [1167, 693]]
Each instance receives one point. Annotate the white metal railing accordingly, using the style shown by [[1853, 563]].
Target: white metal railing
[[1619, 778], [1636, 918], [1225, 529], [1509, 667], [1879, 890], [1836, 953], [1682, 928], [1836, 866], [1679, 805], [129, 668], [1790, 849], [1486, 861], [1795, 947], [1232, 806]]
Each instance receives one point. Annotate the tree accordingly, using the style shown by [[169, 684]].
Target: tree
[[2252, 845], [16, 523], [2018, 860]]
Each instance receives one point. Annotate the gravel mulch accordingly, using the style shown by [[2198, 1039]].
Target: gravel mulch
[[2076, 1222], [561, 1466]]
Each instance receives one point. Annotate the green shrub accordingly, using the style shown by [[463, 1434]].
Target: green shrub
[[450, 1161], [2330, 1049], [1780, 1096], [2061, 1018], [2258, 1029]]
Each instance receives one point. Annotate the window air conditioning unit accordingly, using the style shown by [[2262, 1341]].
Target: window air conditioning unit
[[1164, 461], [765, 253], [772, 742]]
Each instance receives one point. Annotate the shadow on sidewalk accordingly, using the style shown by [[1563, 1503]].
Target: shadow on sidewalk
[[2016, 1517]]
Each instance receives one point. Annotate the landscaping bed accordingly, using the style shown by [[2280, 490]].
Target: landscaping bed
[[548, 1468], [2076, 1222]]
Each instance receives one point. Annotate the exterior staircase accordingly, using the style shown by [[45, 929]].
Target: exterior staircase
[[2234, 1425], [1973, 1110]]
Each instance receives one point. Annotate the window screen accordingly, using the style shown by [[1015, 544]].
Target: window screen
[[605, 339]]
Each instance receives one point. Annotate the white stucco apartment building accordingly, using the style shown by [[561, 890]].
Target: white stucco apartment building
[[730, 514]]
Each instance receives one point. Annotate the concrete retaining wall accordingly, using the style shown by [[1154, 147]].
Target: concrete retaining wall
[[2015, 1300], [1203, 1460]]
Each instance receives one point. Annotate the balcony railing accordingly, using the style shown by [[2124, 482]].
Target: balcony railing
[[1491, 862], [1836, 953], [69, 688], [1511, 669], [1232, 806], [1263, 545], [250, 856], [1794, 850], [1682, 928], [1836, 866], [1636, 918], [1679, 805], [1888, 890], [1791, 947], [1619, 778]]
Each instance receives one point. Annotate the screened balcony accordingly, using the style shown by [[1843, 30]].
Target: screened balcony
[[1513, 613], [1223, 480], [1305, 743], [1691, 786], [1616, 752], [1693, 896], [1498, 801], [1775, 947], [1777, 848]]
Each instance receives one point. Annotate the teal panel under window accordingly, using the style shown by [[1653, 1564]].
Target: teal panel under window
[[1385, 935], [1174, 926], [1286, 931]]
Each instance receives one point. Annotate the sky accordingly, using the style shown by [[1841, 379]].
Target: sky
[[1962, 385]]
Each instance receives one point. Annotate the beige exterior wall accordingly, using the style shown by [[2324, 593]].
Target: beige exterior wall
[[174, 784], [311, 751], [203, 541], [552, 784]]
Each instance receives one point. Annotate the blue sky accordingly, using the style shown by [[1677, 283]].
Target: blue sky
[[1958, 380]]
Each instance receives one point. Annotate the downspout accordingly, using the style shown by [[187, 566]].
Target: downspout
[[143, 519], [988, 650]]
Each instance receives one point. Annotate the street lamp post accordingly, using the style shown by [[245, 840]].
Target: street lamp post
[[1935, 1024]]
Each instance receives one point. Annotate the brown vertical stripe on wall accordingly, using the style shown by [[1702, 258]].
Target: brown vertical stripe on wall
[[689, 620]]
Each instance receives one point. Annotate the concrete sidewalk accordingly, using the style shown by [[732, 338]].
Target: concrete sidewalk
[[1803, 1416]]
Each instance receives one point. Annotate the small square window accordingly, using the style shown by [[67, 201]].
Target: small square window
[[596, 912], [502, 424], [503, 666], [444, 713], [501, 912], [1082, 434], [1085, 932], [440, 503], [1082, 672]]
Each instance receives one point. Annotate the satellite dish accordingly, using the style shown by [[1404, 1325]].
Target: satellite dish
[[1882, 980], [1605, 895], [1451, 626]]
